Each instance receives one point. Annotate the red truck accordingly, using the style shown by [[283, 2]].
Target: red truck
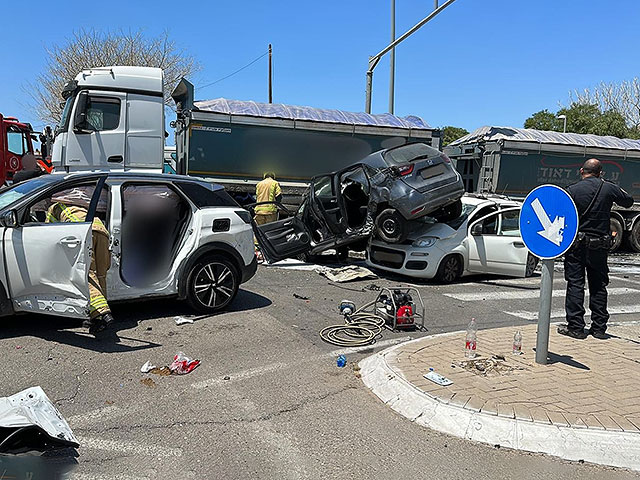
[[16, 147]]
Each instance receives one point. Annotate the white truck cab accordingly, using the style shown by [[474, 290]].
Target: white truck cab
[[113, 119]]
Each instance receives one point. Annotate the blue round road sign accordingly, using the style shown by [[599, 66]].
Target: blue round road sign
[[548, 221]]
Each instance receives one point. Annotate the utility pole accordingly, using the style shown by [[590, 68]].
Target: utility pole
[[392, 57], [373, 61], [270, 77]]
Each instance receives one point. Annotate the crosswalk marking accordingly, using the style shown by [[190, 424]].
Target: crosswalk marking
[[516, 295], [617, 310]]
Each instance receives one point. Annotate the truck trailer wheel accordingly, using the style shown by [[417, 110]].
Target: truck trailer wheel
[[212, 284], [616, 227], [390, 226], [634, 237]]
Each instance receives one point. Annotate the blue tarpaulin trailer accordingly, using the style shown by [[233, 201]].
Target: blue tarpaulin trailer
[[513, 161]]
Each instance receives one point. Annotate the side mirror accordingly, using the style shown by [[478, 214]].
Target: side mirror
[[80, 117], [476, 230], [9, 219]]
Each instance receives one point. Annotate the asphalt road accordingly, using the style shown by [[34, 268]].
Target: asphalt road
[[268, 400]]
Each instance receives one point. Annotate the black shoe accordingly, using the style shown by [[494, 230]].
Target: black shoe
[[97, 326], [599, 335], [86, 323], [108, 320], [569, 332]]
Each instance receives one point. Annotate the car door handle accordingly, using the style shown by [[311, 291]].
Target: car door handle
[[518, 244], [70, 242], [115, 159]]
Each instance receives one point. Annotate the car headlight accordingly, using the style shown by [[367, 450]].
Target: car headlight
[[425, 242]]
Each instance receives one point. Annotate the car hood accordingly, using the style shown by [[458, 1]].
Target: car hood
[[438, 230]]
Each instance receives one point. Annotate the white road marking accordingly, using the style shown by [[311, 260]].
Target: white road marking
[[111, 476], [618, 310], [511, 295], [622, 279], [129, 447], [274, 367], [93, 415]]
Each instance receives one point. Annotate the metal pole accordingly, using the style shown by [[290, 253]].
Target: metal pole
[[565, 124], [435, 4], [270, 77], [373, 61], [392, 58], [544, 317]]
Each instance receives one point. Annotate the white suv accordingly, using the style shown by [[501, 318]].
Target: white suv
[[169, 236]]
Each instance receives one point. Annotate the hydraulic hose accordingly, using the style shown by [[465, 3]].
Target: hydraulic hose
[[360, 328]]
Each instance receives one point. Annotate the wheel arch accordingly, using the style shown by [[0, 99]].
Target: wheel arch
[[454, 253], [217, 248]]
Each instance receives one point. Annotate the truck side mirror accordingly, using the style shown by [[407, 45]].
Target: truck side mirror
[[80, 118]]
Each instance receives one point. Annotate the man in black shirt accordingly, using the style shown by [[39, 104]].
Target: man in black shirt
[[593, 198]]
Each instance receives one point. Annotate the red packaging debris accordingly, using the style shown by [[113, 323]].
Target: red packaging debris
[[182, 364]]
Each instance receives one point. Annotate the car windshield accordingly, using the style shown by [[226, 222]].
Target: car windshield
[[467, 208], [408, 153], [21, 190]]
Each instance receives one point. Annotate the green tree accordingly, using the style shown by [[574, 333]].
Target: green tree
[[544, 120], [449, 134]]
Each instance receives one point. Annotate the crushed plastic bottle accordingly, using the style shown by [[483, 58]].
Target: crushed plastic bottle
[[341, 361], [517, 343], [471, 339]]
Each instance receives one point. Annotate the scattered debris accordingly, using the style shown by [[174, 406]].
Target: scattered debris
[[182, 364], [29, 421], [147, 367], [346, 274], [484, 366], [300, 297], [227, 377], [148, 382], [18, 347], [341, 361], [162, 371], [183, 320], [437, 378], [149, 329]]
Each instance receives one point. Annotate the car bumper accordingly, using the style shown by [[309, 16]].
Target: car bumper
[[404, 260], [417, 204], [248, 271]]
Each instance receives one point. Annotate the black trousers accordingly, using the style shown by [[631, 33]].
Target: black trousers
[[594, 261]]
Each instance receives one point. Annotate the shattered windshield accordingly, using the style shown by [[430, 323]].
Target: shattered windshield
[[456, 223], [21, 190]]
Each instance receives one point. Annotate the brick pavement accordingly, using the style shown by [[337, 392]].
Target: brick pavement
[[590, 383]]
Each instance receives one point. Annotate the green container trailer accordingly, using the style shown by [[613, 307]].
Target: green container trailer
[[513, 161], [234, 142]]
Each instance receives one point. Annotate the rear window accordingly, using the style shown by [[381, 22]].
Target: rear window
[[204, 197], [408, 153]]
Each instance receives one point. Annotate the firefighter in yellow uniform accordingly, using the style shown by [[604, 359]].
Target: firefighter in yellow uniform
[[268, 190], [99, 312]]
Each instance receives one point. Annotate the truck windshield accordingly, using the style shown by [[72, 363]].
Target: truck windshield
[[21, 190], [64, 119]]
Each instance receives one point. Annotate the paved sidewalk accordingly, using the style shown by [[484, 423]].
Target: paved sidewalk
[[588, 393]]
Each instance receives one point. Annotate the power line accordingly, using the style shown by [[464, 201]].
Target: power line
[[237, 71]]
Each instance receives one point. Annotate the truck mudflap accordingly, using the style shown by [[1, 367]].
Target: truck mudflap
[[29, 421]]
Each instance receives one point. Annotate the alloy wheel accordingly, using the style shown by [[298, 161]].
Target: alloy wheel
[[214, 285]]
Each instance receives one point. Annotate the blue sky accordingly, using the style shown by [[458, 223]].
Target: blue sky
[[479, 62]]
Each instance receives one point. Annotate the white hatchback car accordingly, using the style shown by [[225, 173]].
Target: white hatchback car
[[485, 238], [169, 236]]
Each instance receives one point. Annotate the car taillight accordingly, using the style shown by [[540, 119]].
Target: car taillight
[[405, 169]]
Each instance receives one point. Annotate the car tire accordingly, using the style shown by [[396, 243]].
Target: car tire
[[448, 212], [450, 269], [532, 263], [633, 237], [212, 284], [616, 226], [390, 226]]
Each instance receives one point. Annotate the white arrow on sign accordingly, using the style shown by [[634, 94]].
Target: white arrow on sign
[[552, 230]]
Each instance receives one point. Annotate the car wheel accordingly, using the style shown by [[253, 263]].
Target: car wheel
[[213, 283], [633, 238], [450, 269], [532, 263], [448, 212], [390, 226], [616, 227]]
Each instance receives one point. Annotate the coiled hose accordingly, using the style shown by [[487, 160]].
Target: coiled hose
[[360, 328]]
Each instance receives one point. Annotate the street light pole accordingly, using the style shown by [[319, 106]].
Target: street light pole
[[392, 57], [373, 61], [564, 118]]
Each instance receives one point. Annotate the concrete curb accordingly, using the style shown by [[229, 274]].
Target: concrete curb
[[618, 449]]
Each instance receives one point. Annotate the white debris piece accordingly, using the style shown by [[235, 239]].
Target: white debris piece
[[147, 367], [346, 274], [183, 320]]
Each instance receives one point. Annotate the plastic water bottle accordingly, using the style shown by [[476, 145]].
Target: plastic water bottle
[[341, 361], [517, 343], [471, 339]]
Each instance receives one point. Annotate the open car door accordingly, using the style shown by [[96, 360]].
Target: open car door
[[283, 238], [495, 245], [48, 264]]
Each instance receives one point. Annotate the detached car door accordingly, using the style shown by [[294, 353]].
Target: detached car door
[[283, 238], [495, 244], [47, 264]]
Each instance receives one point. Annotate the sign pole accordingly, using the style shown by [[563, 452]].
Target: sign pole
[[544, 315]]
